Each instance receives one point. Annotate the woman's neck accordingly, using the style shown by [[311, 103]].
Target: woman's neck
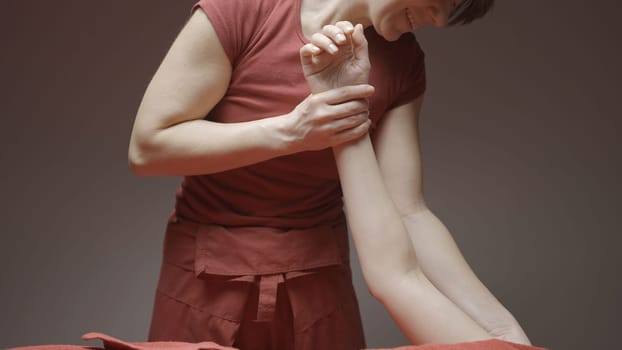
[[317, 13]]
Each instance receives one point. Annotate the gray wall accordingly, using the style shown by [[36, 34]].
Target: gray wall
[[520, 142]]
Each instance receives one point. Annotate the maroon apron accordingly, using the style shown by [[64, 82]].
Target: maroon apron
[[257, 288]]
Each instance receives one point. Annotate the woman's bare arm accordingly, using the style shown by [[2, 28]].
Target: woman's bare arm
[[397, 147], [170, 136], [387, 258]]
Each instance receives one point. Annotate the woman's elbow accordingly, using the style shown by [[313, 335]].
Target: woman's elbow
[[379, 285], [377, 293], [383, 290], [139, 156], [137, 162], [384, 287]]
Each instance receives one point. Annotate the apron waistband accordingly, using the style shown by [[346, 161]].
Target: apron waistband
[[263, 255]]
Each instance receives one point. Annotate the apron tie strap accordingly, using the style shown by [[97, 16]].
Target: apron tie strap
[[268, 285]]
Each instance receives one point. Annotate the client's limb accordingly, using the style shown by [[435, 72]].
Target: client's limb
[[397, 148], [387, 258]]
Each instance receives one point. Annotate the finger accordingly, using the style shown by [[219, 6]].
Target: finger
[[329, 113], [335, 33], [324, 42], [347, 93], [351, 134], [346, 26], [358, 40], [307, 52], [350, 122], [348, 109]]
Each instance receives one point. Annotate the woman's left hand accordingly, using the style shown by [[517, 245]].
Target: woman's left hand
[[337, 56]]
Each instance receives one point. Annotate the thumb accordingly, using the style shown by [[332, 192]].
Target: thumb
[[359, 42]]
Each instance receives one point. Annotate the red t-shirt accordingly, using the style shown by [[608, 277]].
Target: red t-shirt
[[262, 38]]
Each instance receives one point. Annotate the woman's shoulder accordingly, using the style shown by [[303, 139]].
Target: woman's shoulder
[[237, 22]]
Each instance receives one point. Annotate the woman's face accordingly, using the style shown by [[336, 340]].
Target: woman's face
[[392, 18]]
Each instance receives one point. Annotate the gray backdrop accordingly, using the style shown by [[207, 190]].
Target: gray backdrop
[[520, 141]]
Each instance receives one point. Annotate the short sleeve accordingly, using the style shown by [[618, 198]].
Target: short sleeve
[[411, 80], [234, 22]]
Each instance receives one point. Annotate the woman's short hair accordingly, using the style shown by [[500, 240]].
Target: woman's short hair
[[469, 11]]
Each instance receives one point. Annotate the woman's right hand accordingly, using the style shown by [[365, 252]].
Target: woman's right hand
[[329, 118], [338, 110]]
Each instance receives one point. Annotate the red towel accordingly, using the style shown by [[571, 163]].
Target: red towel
[[111, 343], [489, 344]]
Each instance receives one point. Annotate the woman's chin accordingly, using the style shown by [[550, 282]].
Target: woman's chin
[[387, 29], [392, 35]]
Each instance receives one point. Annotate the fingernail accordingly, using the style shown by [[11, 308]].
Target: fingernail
[[333, 48], [341, 37]]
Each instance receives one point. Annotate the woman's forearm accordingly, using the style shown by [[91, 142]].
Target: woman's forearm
[[377, 227], [387, 257], [204, 147], [172, 140]]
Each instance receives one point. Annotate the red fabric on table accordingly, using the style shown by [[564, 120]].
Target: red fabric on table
[[111, 343], [489, 344]]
